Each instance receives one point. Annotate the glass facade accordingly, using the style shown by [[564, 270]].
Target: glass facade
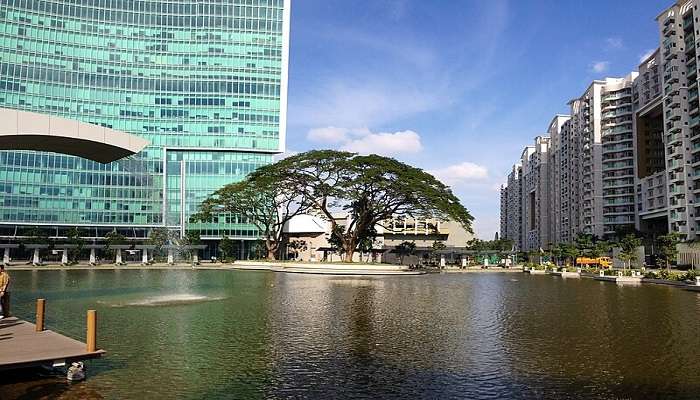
[[203, 81]]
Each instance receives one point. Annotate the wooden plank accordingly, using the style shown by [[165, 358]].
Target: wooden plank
[[21, 346]]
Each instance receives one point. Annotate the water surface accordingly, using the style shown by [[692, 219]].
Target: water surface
[[261, 335]]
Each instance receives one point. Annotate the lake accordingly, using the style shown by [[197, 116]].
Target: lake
[[174, 334]]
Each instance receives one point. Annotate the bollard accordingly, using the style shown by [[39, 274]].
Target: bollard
[[91, 331], [40, 309]]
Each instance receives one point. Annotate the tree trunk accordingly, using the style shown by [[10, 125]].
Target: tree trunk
[[349, 247], [348, 256], [271, 249]]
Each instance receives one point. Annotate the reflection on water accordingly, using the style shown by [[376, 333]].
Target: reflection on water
[[223, 334]]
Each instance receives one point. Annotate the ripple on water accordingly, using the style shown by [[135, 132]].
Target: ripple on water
[[166, 300]]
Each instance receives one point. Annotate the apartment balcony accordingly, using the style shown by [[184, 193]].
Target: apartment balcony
[[674, 114], [690, 51], [616, 148], [672, 87], [627, 110], [675, 164], [625, 219], [688, 24], [673, 126], [694, 121], [678, 216], [622, 202]]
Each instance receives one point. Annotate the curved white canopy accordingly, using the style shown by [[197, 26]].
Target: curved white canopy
[[22, 130]]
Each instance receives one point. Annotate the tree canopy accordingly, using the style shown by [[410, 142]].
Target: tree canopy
[[371, 189], [628, 249], [667, 247]]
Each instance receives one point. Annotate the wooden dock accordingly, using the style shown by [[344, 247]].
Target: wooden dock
[[22, 345]]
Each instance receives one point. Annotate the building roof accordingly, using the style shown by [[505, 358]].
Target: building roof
[[306, 224], [23, 130]]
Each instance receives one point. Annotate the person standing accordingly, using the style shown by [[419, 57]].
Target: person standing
[[4, 293]]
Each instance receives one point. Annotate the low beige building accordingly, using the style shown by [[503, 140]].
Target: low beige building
[[309, 238]]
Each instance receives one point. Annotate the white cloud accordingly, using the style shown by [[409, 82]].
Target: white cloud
[[465, 172], [364, 141], [600, 66], [406, 142], [330, 134], [614, 43], [646, 55]]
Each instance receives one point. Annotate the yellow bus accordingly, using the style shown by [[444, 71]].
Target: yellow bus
[[603, 262]]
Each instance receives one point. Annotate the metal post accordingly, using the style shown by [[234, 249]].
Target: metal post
[[40, 309], [91, 331], [182, 199]]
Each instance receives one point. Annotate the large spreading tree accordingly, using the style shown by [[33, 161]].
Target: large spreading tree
[[371, 189]]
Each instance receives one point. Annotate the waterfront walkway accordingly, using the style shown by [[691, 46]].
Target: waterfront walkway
[[21, 346]]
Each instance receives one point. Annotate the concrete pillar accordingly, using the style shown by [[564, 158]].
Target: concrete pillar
[[144, 256], [171, 257], [93, 257], [118, 260], [35, 257], [6, 256], [601, 273], [64, 257]]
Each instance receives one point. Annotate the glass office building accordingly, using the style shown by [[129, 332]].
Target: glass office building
[[205, 82]]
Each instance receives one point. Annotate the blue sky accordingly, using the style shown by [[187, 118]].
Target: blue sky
[[454, 87]]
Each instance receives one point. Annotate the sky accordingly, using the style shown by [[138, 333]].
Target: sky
[[456, 87]]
